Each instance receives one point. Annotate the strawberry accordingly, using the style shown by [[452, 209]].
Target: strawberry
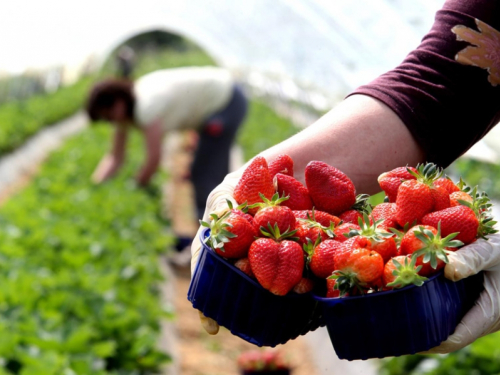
[[447, 184], [305, 285], [415, 198], [402, 271], [455, 219], [324, 218], [320, 256], [243, 264], [380, 240], [330, 189], [387, 212], [298, 194], [276, 262], [356, 211], [271, 213], [255, 180], [441, 198], [308, 229], [424, 242], [342, 231], [331, 291], [241, 210], [282, 164], [457, 196], [230, 235], [390, 181], [356, 266]]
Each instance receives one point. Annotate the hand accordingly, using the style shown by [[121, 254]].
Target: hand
[[216, 203], [484, 317]]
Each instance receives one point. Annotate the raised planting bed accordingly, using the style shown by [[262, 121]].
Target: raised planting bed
[[79, 268]]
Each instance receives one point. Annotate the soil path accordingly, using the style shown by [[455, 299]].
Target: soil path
[[199, 353]]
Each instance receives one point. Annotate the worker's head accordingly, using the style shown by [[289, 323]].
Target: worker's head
[[111, 100]]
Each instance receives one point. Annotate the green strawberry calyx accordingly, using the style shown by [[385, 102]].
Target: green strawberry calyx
[[370, 230], [311, 222], [426, 173], [219, 233], [242, 207], [275, 200], [347, 282], [481, 205], [406, 274], [274, 233], [361, 205], [434, 246], [309, 247]]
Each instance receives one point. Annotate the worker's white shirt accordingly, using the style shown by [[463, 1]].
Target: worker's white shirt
[[181, 98]]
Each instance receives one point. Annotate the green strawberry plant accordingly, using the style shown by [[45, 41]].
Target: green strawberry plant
[[21, 119], [79, 268]]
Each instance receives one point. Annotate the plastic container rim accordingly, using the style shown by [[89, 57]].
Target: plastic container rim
[[387, 292]]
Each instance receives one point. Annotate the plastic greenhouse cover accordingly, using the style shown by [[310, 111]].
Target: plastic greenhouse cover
[[331, 45]]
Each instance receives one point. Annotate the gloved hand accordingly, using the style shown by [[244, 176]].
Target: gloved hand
[[484, 317], [216, 203]]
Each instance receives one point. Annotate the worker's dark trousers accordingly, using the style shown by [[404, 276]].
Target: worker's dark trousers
[[211, 160]]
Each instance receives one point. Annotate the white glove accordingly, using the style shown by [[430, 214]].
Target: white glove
[[484, 317], [216, 203]]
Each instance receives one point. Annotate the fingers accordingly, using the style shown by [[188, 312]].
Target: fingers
[[208, 324], [469, 260]]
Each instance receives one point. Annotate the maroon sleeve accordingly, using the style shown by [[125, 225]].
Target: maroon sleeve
[[447, 91]]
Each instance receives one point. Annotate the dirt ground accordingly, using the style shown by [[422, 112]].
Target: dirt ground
[[199, 352]]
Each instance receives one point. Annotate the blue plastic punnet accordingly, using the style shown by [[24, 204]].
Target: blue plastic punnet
[[236, 301], [398, 322]]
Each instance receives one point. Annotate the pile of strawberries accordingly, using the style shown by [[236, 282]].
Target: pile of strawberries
[[295, 237]]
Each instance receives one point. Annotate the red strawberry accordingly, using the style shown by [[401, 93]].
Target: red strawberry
[[413, 202], [447, 184], [255, 180], [459, 195], [270, 213], [243, 265], [310, 230], [390, 181], [455, 219], [299, 198], [305, 285], [321, 257], [230, 235], [241, 210], [380, 240], [341, 231], [441, 198], [330, 189], [356, 265], [282, 164], [324, 218], [387, 213], [402, 271], [356, 211], [331, 291], [425, 243], [277, 263], [415, 197]]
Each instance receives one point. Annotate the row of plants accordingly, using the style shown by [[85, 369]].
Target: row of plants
[[79, 268], [21, 119]]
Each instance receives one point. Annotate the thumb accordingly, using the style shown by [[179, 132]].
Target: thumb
[[469, 260], [208, 324]]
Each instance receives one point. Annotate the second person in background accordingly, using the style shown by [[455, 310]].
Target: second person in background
[[205, 99]]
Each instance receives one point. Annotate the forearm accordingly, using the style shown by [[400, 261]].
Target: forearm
[[146, 172], [361, 136]]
